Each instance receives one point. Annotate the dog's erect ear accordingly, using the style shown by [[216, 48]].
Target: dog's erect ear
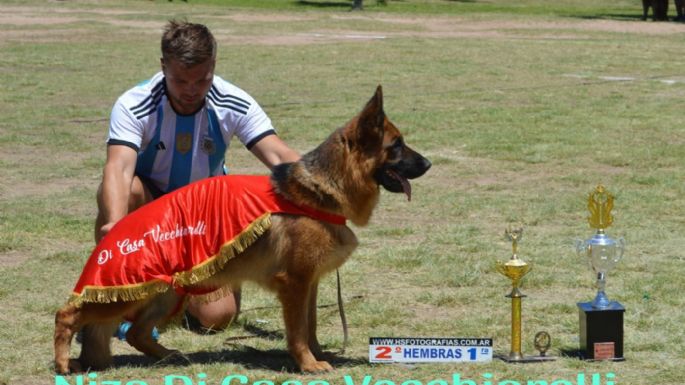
[[377, 98], [372, 115], [369, 127]]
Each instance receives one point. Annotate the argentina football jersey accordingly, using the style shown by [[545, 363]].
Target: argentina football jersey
[[175, 149]]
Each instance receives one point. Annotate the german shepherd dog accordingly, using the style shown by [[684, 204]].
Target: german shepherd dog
[[342, 176]]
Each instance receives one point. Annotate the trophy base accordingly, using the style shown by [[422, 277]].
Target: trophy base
[[523, 359], [615, 359], [601, 332]]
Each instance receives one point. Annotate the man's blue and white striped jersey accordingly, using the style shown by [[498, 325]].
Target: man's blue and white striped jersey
[[173, 149]]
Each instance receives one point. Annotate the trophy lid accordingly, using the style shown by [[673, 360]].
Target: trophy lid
[[600, 203]]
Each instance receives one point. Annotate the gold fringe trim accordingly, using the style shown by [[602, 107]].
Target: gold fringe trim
[[126, 293], [198, 273], [215, 295]]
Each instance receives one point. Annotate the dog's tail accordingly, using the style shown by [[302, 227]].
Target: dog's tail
[[96, 353]]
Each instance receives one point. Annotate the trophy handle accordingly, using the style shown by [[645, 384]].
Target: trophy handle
[[582, 247], [621, 246]]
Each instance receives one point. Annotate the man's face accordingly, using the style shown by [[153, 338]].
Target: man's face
[[187, 86]]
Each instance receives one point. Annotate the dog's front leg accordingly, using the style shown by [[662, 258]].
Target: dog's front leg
[[311, 321], [295, 297]]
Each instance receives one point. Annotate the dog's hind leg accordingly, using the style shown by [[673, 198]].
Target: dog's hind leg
[[98, 321], [66, 325], [157, 310], [96, 353]]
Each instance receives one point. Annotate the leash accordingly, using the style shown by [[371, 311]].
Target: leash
[[343, 319]]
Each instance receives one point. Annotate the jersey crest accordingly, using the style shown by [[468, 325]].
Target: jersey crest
[[184, 142], [208, 145]]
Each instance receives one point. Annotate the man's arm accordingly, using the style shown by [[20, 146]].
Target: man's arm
[[271, 150], [115, 193]]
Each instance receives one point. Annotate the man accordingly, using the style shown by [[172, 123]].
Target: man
[[174, 129]]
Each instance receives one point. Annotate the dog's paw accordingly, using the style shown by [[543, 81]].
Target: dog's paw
[[323, 355], [316, 351], [316, 367], [75, 366], [62, 371]]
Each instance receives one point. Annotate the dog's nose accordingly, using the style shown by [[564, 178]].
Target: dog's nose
[[419, 167], [426, 164]]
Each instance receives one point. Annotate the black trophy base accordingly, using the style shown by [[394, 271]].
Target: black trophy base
[[601, 332]]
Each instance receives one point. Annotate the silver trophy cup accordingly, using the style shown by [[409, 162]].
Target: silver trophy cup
[[603, 253]]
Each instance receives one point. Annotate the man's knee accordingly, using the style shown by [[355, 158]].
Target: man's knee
[[216, 315]]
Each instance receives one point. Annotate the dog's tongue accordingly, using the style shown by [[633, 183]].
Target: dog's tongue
[[405, 184]]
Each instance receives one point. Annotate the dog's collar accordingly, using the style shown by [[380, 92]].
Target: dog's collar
[[323, 215]]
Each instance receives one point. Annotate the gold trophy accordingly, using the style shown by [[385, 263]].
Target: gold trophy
[[514, 269]]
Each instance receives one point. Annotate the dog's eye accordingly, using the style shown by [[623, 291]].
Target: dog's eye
[[398, 145], [396, 148]]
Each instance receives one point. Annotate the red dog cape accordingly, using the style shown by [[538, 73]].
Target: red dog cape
[[182, 238]]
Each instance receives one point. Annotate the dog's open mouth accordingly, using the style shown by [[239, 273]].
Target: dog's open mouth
[[406, 187]]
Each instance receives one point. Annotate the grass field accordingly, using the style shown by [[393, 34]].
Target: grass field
[[523, 107]]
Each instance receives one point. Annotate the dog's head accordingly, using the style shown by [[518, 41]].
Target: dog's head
[[394, 163], [343, 174]]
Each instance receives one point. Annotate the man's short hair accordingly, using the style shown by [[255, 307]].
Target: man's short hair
[[187, 43]]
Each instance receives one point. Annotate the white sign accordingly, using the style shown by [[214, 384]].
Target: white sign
[[414, 350]]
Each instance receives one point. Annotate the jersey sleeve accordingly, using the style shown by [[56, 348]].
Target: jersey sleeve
[[238, 113], [124, 128], [254, 125]]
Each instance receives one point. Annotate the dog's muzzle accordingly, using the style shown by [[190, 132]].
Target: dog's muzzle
[[395, 177]]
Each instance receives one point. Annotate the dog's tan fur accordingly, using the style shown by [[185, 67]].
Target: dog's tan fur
[[341, 177]]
